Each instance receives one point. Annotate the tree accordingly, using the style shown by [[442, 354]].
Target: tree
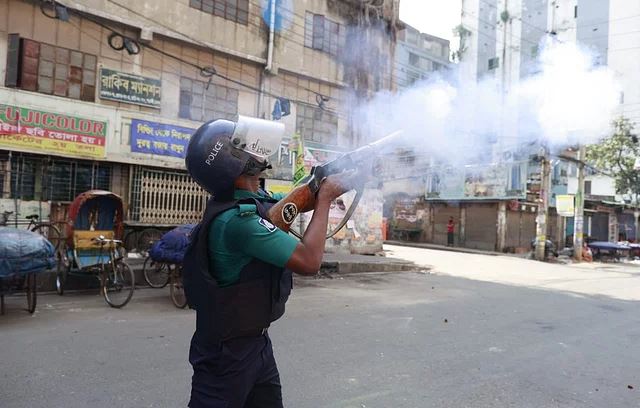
[[616, 155]]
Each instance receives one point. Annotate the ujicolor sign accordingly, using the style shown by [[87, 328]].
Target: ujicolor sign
[[49, 132]]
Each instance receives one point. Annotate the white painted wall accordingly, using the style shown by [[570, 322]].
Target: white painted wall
[[600, 185]]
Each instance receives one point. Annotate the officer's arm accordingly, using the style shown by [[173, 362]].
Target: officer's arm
[[307, 257]]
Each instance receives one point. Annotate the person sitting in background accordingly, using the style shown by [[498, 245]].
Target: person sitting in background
[[587, 255]]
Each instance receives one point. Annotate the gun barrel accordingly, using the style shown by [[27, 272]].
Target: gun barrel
[[381, 142]]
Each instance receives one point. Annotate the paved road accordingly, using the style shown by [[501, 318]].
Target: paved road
[[485, 338]]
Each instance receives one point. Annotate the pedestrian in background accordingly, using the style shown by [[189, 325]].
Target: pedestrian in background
[[450, 231]]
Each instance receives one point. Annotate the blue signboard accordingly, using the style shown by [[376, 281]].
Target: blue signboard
[[158, 138]]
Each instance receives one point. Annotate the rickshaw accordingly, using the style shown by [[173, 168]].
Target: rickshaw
[[94, 246], [23, 254], [163, 265]]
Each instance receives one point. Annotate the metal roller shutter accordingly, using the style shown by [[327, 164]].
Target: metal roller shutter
[[481, 228]]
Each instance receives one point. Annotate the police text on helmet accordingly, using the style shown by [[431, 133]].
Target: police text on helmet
[[214, 152]]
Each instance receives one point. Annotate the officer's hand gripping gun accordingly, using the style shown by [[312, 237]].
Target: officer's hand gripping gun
[[365, 161]]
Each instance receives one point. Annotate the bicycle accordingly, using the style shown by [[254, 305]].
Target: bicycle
[[44, 228], [159, 274], [117, 281]]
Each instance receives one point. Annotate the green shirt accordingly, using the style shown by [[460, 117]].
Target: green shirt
[[239, 234]]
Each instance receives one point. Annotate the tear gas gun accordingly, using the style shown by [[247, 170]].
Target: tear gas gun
[[364, 161]]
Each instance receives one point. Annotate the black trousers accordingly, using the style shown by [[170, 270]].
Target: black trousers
[[450, 238], [238, 373]]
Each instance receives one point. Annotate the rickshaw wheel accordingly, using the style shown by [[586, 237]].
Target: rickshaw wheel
[[117, 284], [61, 273], [156, 274], [31, 289], [176, 289]]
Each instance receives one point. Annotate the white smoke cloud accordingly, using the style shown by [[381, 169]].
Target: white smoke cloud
[[567, 101]]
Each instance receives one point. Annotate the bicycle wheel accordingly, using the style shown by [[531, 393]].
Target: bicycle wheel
[[156, 274], [176, 290], [118, 283], [50, 232], [31, 289]]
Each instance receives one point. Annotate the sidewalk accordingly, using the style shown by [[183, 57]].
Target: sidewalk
[[332, 264], [447, 248]]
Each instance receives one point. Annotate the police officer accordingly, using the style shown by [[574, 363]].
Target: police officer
[[237, 270]]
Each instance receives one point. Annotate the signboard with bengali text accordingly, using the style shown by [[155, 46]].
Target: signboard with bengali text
[[129, 88], [158, 138], [49, 132]]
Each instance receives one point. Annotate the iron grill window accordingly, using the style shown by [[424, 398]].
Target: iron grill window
[[201, 104], [23, 179], [43, 178], [164, 197], [234, 10], [67, 179]]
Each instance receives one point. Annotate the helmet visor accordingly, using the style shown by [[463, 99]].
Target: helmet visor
[[258, 137]]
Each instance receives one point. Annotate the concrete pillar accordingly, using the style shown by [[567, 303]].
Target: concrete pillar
[[428, 229], [578, 219], [463, 223], [543, 210], [501, 226], [561, 231], [613, 227]]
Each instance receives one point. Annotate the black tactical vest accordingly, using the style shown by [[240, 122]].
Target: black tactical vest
[[241, 309]]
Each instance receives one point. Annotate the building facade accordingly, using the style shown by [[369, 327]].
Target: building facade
[[105, 94], [418, 55], [495, 205]]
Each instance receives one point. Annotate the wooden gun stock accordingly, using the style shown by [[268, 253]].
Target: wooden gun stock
[[301, 199]]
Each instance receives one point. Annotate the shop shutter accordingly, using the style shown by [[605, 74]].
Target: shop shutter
[[481, 226]]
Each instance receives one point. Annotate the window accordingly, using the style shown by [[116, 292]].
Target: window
[[322, 34], [412, 78], [234, 10], [414, 59], [201, 104], [23, 178], [587, 187], [48, 69], [42, 178], [494, 62], [64, 180], [515, 178], [317, 125]]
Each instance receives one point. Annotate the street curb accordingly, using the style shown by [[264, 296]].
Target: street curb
[[443, 248], [342, 267]]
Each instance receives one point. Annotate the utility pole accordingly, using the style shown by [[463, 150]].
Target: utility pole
[[543, 208], [578, 219]]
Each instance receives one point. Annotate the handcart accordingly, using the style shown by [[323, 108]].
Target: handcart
[[163, 265], [94, 246], [23, 254]]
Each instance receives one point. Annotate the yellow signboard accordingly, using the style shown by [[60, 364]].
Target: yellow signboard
[[565, 205], [51, 132]]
